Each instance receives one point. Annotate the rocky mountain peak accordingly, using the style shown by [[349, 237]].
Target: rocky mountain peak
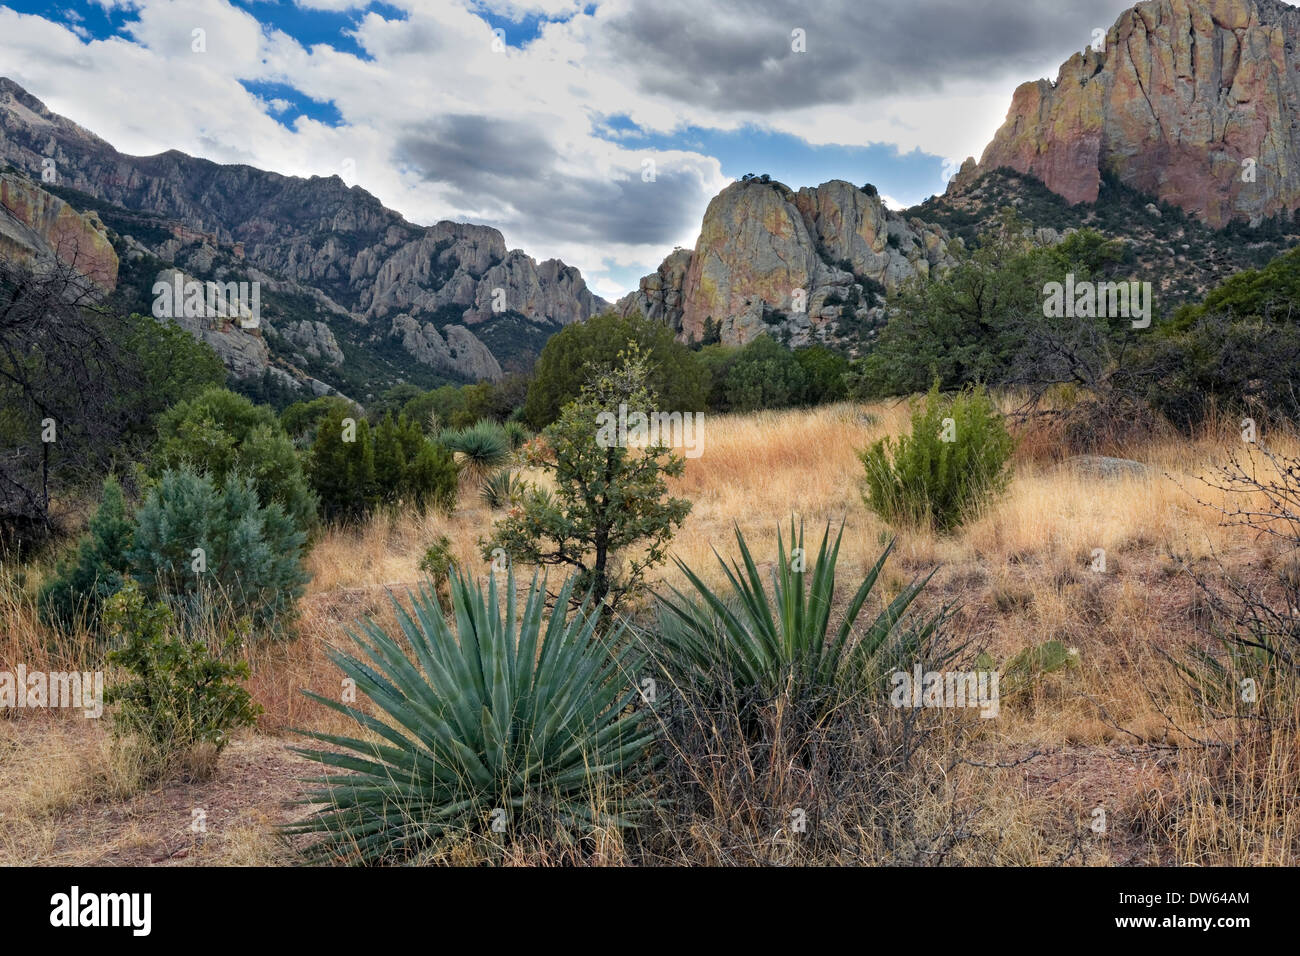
[[1192, 101], [801, 264]]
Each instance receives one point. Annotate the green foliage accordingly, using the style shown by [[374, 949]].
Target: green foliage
[[485, 445], [221, 433], [924, 479], [341, 466], [249, 568], [459, 406], [102, 565], [982, 320], [179, 693], [582, 349], [393, 401], [437, 563], [609, 517], [301, 419], [355, 469], [513, 714], [824, 373], [763, 374], [765, 645], [501, 489], [170, 364], [1237, 350], [1025, 668], [430, 479]]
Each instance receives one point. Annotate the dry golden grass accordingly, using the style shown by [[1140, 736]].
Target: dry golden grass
[[1106, 732]]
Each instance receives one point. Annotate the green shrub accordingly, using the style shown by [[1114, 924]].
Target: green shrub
[[411, 470], [762, 646], [762, 374], [219, 433], [437, 564], [517, 434], [102, 565], [179, 694], [341, 466], [501, 489], [516, 717], [214, 552], [301, 418], [431, 478], [957, 458], [484, 444]]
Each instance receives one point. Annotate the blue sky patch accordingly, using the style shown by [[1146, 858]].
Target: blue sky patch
[[907, 177], [521, 32], [286, 103]]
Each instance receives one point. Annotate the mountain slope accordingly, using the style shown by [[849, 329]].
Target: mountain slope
[[429, 293]]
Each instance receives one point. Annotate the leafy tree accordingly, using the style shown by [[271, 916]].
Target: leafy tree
[[763, 374], [1238, 349], [983, 321], [570, 356], [300, 419], [609, 516], [393, 401], [221, 433], [824, 373], [171, 364], [410, 468], [712, 332]]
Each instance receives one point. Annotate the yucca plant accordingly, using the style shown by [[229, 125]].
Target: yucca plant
[[483, 446], [517, 434], [499, 490], [764, 646], [523, 718]]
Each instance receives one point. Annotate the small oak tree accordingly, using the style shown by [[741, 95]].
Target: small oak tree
[[610, 517]]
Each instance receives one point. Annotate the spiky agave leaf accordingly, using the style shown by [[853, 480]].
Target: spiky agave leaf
[[768, 644], [524, 713], [501, 489], [484, 443]]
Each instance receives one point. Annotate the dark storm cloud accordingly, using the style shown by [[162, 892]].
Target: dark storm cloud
[[736, 54], [487, 162], [476, 153]]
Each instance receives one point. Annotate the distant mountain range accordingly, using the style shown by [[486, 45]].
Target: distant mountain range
[[355, 298]]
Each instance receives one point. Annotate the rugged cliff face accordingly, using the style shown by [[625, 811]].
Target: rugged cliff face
[[342, 243], [36, 226], [795, 263], [1194, 101]]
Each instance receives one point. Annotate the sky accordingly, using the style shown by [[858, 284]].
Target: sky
[[594, 132]]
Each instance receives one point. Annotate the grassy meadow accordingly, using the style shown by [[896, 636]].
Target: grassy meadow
[[1116, 732]]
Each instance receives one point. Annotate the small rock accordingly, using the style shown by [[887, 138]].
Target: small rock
[[1100, 466]]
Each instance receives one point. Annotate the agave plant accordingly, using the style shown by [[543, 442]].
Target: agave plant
[[499, 490], [483, 445], [768, 645], [517, 718]]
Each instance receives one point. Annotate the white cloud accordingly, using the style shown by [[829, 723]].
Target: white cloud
[[524, 155]]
